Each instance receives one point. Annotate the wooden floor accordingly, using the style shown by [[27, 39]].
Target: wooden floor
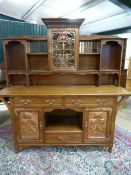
[[123, 117]]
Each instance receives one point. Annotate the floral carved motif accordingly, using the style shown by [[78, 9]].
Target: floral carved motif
[[97, 124], [29, 128]]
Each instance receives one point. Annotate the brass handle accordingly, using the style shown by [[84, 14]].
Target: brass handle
[[86, 124], [76, 102], [25, 102], [50, 102], [63, 139], [101, 101], [41, 125]]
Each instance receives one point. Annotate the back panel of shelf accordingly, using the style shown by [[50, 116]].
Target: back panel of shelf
[[89, 55], [17, 80], [15, 55], [111, 55], [109, 79], [89, 61], [63, 79], [37, 55]]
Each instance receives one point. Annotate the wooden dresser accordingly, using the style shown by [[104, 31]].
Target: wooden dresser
[[63, 89]]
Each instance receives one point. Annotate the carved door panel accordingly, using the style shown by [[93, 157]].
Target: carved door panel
[[29, 124], [97, 125]]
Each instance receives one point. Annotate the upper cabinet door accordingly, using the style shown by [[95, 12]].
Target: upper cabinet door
[[63, 50], [63, 43]]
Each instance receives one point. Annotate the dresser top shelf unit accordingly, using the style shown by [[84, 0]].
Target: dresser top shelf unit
[[63, 57], [34, 58]]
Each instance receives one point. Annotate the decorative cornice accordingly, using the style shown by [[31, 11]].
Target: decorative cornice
[[62, 22]]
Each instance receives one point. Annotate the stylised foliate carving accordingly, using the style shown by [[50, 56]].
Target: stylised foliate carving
[[29, 128], [63, 50], [97, 124]]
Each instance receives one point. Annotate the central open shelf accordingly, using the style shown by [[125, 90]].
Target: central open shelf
[[63, 120]]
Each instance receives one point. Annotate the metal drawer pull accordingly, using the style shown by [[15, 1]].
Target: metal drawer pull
[[63, 139], [86, 124], [25, 102], [41, 125], [76, 102], [50, 102], [101, 101]]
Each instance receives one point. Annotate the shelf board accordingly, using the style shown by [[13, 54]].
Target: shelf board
[[13, 72], [37, 53], [39, 72], [63, 127], [87, 72], [89, 53], [110, 71]]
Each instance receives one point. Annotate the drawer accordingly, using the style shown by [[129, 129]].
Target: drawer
[[63, 138], [46, 101], [83, 101]]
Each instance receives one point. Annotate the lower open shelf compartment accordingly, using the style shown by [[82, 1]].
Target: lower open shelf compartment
[[63, 120], [63, 126]]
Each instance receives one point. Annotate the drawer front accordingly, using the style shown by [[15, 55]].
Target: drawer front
[[84, 101], [43, 101], [63, 138]]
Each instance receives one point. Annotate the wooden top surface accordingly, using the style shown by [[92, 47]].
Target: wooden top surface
[[64, 90]]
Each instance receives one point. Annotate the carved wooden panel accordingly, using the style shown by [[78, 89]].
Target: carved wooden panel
[[97, 124], [29, 127]]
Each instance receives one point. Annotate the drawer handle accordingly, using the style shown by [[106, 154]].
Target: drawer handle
[[76, 102], [25, 102], [63, 139], [100, 101], [41, 125], [50, 102], [86, 124]]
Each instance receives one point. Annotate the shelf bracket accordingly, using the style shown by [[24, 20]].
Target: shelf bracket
[[121, 101], [6, 103]]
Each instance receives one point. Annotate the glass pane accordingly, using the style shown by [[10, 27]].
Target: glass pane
[[63, 50]]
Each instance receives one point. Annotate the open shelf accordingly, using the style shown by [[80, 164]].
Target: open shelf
[[17, 79], [111, 55], [109, 79], [63, 120], [89, 62], [38, 62], [38, 46], [89, 47], [15, 55]]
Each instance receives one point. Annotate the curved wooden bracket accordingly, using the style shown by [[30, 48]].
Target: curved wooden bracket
[[7, 104], [121, 101]]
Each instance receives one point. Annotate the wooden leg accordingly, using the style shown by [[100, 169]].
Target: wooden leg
[[17, 149], [110, 148]]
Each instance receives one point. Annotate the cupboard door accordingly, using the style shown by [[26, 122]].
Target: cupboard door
[[29, 124], [97, 125]]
